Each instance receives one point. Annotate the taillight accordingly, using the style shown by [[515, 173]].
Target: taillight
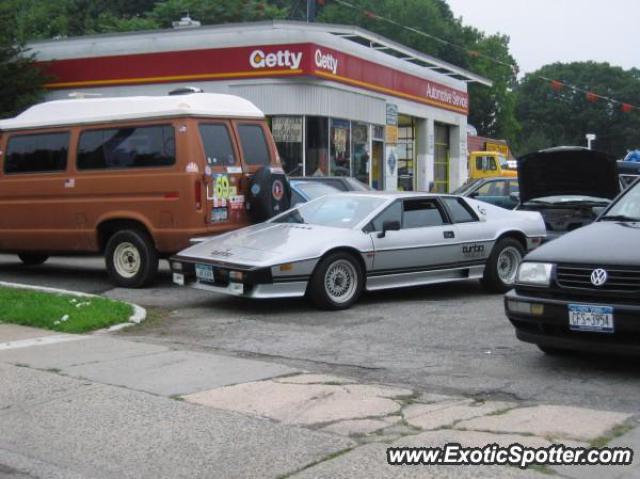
[[197, 193]]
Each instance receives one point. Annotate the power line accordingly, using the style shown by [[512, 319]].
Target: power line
[[556, 85]]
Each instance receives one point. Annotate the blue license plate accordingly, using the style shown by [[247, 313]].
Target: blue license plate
[[586, 317], [204, 272]]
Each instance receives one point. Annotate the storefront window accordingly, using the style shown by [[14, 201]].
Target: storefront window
[[361, 154], [340, 148], [287, 133], [317, 158], [406, 153]]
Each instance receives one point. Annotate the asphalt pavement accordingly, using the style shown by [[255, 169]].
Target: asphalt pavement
[[449, 339]]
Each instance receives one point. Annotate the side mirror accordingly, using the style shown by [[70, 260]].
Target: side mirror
[[515, 197], [389, 225], [475, 194]]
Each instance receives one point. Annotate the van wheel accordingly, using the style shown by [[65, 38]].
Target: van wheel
[[336, 282], [502, 266], [32, 259], [132, 259]]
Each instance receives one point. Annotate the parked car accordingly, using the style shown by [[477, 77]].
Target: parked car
[[303, 191], [134, 178], [500, 191], [628, 172], [568, 185], [582, 291], [343, 183], [334, 247]]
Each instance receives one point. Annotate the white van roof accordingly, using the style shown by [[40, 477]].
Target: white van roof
[[98, 110]]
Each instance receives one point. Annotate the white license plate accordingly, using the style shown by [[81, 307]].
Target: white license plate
[[204, 272], [178, 279], [585, 317]]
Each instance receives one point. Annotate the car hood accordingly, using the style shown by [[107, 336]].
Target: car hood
[[567, 171], [600, 243], [265, 243]]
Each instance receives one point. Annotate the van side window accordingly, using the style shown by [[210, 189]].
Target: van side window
[[38, 153], [134, 147], [254, 145], [217, 144]]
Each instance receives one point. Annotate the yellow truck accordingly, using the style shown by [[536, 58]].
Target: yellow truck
[[485, 164]]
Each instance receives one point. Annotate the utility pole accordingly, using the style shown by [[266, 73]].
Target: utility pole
[[311, 11]]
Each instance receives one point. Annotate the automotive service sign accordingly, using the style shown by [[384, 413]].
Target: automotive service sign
[[304, 59]]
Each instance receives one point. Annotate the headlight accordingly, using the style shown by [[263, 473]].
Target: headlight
[[535, 274]]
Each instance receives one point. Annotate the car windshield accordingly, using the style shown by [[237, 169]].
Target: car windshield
[[466, 187], [627, 208], [341, 211], [314, 189]]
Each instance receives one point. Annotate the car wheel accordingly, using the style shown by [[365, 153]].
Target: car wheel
[[132, 259], [337, 282], [502, 266], [32, 259]]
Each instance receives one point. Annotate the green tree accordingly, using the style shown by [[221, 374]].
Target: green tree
[[215, 11], [21, 81], [563, 117], [492, 109]]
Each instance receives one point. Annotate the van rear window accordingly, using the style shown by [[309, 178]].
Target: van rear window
[[254, 145], [217, 144], [38, 153], [135, 147]]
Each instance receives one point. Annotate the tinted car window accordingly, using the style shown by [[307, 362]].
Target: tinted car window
[[135, 147], [459, 210], [217, 145], [254, 145], [392, 213], [493, 188], [421, 213], [37, 153]]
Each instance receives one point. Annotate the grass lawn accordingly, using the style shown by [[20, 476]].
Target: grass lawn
[[60, 312]]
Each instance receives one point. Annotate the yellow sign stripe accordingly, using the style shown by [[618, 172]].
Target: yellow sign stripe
[[390, 91], [202, 76]]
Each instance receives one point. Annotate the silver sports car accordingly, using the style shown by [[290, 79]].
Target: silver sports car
[[333, 247]]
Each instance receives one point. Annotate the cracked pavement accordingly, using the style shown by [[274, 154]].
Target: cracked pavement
[[419, 367]]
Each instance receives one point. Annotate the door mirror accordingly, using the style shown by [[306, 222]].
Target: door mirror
[[389, 225], [515, 196], [475, 194]]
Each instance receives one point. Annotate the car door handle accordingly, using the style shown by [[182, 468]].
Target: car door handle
[[449, 234]]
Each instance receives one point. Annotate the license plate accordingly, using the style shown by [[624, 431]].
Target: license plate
[[204, 272], [585, 317], [178, 279]]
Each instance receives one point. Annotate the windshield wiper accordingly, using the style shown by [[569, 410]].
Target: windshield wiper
[[618, 218]]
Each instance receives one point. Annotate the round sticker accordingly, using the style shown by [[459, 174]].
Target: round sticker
[[277, 190], [222, 187], [255, 189]]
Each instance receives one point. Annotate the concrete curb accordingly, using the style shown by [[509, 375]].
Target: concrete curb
[[139, 313]]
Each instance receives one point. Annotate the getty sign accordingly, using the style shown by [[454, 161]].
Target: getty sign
[[291, 59]]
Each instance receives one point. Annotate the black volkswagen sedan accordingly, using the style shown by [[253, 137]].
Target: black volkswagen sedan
[[582, 290]]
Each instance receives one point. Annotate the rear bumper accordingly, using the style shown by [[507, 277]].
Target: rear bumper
[[551, 328]]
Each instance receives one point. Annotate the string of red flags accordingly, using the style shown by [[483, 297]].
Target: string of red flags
[[556, 85]]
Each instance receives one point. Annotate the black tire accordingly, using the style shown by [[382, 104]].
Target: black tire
[[343, 265], [269, 194], [492, 280], [32, 259], [131, 258]]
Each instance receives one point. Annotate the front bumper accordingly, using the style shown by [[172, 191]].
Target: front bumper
[[551, 327], [256, 283]]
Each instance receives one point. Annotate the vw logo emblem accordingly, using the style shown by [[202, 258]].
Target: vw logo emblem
[[598, 277]]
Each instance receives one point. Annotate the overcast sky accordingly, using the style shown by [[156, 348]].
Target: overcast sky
[[547, 31]]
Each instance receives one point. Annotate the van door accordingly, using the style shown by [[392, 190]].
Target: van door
[[225, 194], [34, 215]]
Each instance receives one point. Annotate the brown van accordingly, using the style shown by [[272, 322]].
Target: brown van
[[134, 178]]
